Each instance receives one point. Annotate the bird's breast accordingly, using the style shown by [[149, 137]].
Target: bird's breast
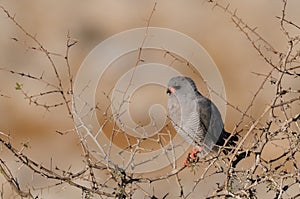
[[185, 118]]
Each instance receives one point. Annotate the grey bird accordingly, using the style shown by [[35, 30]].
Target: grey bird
[[195, 117]]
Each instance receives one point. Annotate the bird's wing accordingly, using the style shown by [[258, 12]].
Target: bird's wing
[[210, 120]]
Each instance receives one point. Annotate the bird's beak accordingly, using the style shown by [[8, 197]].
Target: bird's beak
[[170, 90]]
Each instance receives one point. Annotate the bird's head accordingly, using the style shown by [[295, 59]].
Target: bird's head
[[181, 85]]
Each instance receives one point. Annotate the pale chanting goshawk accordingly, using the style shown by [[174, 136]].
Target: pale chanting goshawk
[[195, 117]]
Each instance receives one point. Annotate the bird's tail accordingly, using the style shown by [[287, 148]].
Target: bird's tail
[[231, 143]]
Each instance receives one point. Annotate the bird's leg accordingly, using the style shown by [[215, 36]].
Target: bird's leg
[[192, 157]]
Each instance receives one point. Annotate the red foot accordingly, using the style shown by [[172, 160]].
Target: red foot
[[192, 157]]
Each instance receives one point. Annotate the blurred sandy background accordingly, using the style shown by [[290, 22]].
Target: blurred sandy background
[[93, 21]]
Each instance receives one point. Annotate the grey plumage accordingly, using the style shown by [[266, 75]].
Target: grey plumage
[[195, 117]]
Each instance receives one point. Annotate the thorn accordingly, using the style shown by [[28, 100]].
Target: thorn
[[226, 9]]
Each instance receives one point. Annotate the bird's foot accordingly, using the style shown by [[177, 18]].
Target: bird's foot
[[192, 157]]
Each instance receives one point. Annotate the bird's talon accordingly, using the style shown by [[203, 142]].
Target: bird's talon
[[186, 163], [192, 157], [193, 154]]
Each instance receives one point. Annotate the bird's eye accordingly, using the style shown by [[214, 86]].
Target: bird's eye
[[176, 87]]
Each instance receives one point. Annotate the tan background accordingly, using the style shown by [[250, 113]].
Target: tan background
[[93, 21]]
